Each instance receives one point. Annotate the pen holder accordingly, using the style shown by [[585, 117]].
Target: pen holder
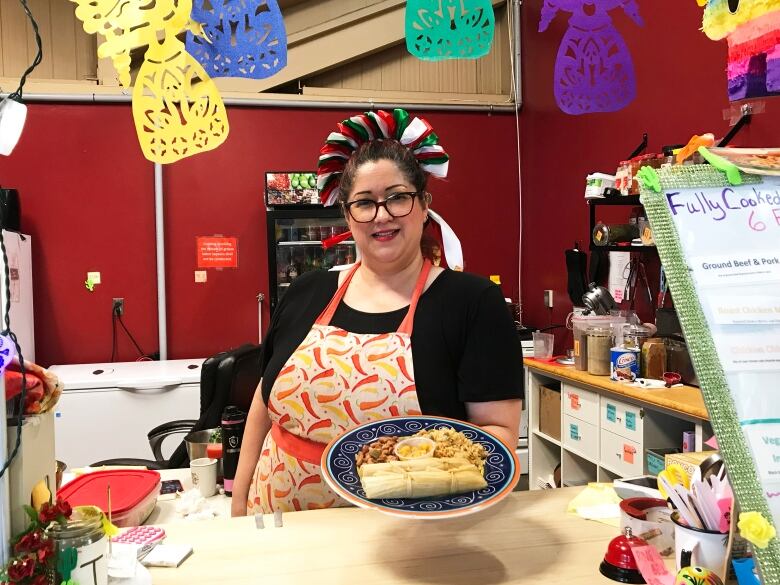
[[700, 548]]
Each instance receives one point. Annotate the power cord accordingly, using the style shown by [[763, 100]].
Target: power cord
[[113, 334], [17, 95], [115, 316], [8, 333]]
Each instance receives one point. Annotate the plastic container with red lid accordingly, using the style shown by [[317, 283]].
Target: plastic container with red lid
[[133, 493]]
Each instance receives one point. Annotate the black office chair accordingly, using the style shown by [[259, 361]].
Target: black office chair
[[227, 378], [237, 376]]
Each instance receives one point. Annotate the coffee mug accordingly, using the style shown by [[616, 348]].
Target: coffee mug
[[204, 475], [700, 548]]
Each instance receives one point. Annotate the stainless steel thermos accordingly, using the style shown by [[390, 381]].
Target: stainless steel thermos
[[233, 421]]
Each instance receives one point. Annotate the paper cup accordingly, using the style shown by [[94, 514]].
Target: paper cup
[[699, 548], [204, 475]]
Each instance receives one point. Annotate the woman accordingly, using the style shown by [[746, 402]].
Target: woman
[[393, 336]]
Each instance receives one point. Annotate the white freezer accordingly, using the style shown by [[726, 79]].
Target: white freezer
[[106, 410]]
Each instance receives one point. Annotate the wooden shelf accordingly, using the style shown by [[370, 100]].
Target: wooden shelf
[[610, 470], [685, 400], [631, 249], [578, 454], [623, 200], [547, 438], [606, 427]]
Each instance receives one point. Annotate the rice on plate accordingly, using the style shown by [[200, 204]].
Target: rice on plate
[[452, 443]]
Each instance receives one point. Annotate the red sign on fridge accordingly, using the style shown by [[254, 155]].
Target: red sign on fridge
[[217, 252]]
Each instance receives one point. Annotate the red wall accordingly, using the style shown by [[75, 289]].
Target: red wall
[[87, 192], [681, 91], [88, 201]]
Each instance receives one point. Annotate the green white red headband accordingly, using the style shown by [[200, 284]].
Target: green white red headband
[[414, 133]]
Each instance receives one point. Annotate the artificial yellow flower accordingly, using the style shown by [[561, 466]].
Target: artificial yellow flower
[[756, 529]]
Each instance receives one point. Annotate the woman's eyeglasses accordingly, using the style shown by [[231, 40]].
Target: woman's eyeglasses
[[396, 205]]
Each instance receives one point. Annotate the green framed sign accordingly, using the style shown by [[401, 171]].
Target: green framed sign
[[719, 243]]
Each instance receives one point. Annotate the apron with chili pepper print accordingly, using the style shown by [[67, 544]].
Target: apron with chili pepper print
[[334, 381]]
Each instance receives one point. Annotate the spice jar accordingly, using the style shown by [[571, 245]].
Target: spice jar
[[84, 534], [599, 346]]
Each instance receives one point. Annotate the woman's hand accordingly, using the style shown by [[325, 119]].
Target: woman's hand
[[238, 507], [499, 417], [257, 426]]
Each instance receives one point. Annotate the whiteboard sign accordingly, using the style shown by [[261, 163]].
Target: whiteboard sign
[[730, 237]]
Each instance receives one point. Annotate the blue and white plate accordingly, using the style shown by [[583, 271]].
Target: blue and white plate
[[502, 470]]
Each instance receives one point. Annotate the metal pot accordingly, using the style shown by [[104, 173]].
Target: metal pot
[[598, 300], [197, 441]]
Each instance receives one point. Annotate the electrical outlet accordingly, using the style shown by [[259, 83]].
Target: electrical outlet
[[118, 306], [548, 299]]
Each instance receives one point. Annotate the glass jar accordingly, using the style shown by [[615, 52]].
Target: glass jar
[[634, 336], [599, 348], [84, 533], [653, 359], [606, 235]]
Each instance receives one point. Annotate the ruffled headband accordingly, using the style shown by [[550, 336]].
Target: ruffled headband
[[414, 133]]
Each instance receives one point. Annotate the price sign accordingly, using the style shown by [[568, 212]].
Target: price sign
[[719, 244]]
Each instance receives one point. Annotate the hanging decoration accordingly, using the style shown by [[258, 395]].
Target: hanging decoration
[[176, 106], [243, 38], [593, 70], [177, 109], [126, 24], [449, 29], [752, 30]]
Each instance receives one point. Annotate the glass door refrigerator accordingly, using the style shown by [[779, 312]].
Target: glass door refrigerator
[[297, 226]]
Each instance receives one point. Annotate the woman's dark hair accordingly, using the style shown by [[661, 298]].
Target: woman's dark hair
[[387, 149]]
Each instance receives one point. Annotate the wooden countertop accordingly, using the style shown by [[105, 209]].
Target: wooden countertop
[[527, 539], [683, 399]]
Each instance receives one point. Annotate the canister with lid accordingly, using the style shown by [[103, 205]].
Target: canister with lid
[[82, 544], [599, 346], [579, 326], [634, 336], [605, 235]]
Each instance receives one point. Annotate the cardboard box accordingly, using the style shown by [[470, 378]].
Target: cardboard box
[[688, 461], [550, 411]]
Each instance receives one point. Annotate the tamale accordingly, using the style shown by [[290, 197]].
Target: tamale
[[420, 478]]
